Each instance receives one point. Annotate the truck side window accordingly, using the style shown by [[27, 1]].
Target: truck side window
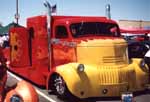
[[61, 32]]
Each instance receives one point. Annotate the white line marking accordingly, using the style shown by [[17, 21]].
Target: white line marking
[[39, 92], [19, 79]]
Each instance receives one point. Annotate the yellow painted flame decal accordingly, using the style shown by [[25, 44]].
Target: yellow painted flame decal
[[15, 47]]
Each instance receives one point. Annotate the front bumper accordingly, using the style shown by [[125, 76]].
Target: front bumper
[[103, 81]]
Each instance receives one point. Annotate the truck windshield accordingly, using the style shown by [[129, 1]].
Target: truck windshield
[[84, 29]]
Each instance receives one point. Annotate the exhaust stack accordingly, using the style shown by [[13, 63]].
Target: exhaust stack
[[108, 15]]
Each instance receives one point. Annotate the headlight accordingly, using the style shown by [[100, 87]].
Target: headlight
[[16, 98], [142, 63], [144, 66], [80, 68]]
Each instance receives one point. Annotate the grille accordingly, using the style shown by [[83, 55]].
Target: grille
[[113, 59], [113, 75]]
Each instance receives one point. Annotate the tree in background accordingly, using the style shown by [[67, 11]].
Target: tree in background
[[1, 25]]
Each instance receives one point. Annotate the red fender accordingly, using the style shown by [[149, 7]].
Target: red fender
[[25, 91]]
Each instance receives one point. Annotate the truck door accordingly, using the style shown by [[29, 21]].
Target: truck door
[[19, 47], [62, 51]]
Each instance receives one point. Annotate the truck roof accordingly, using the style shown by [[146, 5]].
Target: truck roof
[[42, 18]]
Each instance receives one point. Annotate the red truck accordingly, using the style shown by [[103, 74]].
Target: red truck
[[77, 55]]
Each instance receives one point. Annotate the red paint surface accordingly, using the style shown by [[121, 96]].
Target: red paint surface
[[33, 52]]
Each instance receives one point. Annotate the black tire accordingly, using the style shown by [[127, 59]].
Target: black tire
[[59, 87]]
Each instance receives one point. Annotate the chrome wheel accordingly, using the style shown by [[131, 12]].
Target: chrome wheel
[[60, 85]]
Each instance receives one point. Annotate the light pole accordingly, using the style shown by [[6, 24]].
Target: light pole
[[17, 14]]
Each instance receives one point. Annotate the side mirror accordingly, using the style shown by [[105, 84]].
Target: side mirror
[[114, 31]]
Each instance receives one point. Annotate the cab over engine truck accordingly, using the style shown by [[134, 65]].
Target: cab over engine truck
[[86, 57]]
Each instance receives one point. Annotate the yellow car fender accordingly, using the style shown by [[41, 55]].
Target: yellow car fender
[[142, 75], [81, 84]]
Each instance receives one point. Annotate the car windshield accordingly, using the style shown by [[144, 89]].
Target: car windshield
[[84, 29]]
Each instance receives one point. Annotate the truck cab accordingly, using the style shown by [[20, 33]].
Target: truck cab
[[86, 57]]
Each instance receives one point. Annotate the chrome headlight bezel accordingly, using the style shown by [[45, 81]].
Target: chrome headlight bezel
[[144, 66], [80, 68]]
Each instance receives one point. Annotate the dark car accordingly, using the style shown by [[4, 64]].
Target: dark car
[[138, 41], [137, 49]]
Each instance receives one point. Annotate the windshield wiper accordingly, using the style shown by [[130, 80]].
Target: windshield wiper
[[81, 27]]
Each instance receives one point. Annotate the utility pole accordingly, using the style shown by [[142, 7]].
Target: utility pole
[[17, 14]]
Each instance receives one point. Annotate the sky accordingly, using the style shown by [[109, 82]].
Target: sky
[[120, 9]]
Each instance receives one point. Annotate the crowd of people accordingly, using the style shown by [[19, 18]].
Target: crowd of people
[[4, 41]]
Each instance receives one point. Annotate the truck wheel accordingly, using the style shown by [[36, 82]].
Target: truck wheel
[[60, 87]]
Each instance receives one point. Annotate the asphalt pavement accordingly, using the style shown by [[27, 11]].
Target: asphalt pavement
[[45, 97]]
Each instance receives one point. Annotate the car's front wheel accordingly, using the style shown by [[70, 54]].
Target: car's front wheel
[[59, 86]]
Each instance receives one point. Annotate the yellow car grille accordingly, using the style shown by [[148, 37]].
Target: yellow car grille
[[114, 75], [112, 59]]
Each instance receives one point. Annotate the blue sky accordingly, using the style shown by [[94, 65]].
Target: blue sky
[[120, 9]]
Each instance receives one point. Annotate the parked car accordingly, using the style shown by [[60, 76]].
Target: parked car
[[135, 34], [137, 49], [138, 42]]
